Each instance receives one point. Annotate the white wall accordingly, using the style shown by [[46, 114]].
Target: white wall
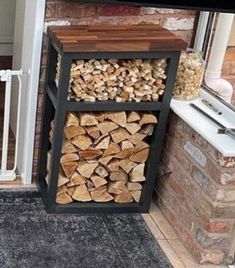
[[17, 57], [232, 35], [7, 24], [27, 55]]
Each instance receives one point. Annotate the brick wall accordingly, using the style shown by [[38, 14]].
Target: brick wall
[[228, 71], [65, 13], [198, 197]]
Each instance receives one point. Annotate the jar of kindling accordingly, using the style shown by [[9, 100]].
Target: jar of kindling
[[189, 76]]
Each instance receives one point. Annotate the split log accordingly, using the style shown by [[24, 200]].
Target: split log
[[136, 195], [95, 193], [127, 165], [133, 186], [125, 154], [103, 142], [113, 165], [86, 169], [123, 197], [101, 171], [70, 190], [119, 135], [93, 132], [118, 175], [112, 149], [116, 187], [105, 160], [62, 189], [72, 131], [107, 127], [126, 145], [69, 158], [81, 194], [48, 160], [77, 179], [72, 120], [82, 142], [90, 185], [98, 181], [140, 156], [62, 179], [90, 154], [133, 117], [137, 173], [70, 184], [100, 117], [68, 148], [147, 130], [69, 168], [88, 120], [148, 119], [105, 197], [141, 145], [133, 127], [117, 117], [63, 199], [136, 138]]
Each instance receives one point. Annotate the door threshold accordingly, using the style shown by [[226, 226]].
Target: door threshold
[[17, 184]]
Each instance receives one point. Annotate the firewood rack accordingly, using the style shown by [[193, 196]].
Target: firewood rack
[[56, 104]]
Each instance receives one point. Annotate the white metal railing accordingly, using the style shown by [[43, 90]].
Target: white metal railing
[[6, 76]]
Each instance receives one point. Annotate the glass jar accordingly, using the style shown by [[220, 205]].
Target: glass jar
[[189, 76]]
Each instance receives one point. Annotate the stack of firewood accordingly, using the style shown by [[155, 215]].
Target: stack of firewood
[[103, 156], [120, 80]]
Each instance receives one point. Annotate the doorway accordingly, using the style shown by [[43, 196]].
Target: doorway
[[24, 24], [7, 28]]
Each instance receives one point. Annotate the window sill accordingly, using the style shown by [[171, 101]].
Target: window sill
[[204, 126]]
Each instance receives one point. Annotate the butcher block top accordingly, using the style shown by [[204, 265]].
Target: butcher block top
[[112, 38]]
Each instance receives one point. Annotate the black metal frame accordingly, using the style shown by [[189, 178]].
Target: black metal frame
[[200, 5], [56, 99]]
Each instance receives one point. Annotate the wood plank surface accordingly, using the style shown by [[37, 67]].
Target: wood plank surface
[[112, 38]]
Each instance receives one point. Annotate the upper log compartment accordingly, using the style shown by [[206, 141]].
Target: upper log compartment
[[112, 38]]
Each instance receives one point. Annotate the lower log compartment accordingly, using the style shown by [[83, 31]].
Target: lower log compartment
[[104, 156], [121, 80]]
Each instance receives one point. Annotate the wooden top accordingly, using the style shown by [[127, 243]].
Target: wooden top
[[112, 38]]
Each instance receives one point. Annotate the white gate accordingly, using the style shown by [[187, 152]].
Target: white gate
[[6, 76]]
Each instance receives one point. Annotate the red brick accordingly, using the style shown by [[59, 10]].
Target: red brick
[[69, 10], [218, 226], [119, 10]]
